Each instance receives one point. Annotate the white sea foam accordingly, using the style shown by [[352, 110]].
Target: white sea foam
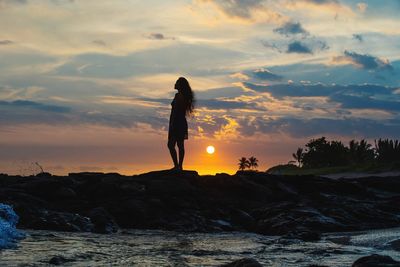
[[9, 234]]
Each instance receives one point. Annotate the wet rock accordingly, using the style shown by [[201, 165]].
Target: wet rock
[[395, 244], [305, 235], [245, 262], [376, 260], [103, 222], [131, 213], [57, 221], [222, 224], [341, 240], [243, 219], [58, 260]]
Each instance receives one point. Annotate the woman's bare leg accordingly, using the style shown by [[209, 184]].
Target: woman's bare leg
[[172, 151], [181, 147]]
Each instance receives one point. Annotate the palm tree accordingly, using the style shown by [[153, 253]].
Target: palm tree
[[360, 152], [253, 162], [387, 150], [243, 163], [298, 156]]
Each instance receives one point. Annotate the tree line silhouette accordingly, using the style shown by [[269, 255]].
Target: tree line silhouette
[[250, 163], [319, 153]]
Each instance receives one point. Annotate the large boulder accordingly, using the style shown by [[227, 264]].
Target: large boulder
[[376, 260], [103, 222]]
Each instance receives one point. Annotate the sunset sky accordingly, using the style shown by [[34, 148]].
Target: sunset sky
[[86, 85]]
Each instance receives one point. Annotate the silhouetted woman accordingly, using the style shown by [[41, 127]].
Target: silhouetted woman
[[182, 105]]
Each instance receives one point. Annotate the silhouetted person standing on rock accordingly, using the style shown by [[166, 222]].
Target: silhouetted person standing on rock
[[182, 105]]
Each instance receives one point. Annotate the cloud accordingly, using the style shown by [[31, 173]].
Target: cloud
[[291, 28], [362, 7], [36, 105], [217, 104], [298, 128], [264, 74], [358, 37], [228, 104], [187, 59], [333, 73], [31, 112], [11, 2], [99, 42], [322, 2], [319, 7], [240, 76], [280, 91], [6, 42], [272, 46], [305, 46], [366, 102], [159, 36], [238, 8], [299, 48], [224, 92], [362, 61], [247, 10], [348, 97]]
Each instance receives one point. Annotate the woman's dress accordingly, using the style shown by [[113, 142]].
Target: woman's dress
[[178, 127]]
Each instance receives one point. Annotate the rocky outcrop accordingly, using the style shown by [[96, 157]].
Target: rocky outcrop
[[299, 207]]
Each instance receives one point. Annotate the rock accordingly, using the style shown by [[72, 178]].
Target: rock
[[395, 245], [296, 207], [243, 219], [103, 222], [59, 260], [133, 188], [306, 235], [341, 240], [43, 174], [376, 260], [65, 193], [130, 213], [40, 219], [223, 225], [176, 187], [245, 262]]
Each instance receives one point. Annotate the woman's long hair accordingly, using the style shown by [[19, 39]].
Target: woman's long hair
[[184, 87]]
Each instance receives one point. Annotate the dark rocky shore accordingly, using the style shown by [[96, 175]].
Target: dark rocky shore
[[293, 206]]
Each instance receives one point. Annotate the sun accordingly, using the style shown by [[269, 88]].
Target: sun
[[210, 150]]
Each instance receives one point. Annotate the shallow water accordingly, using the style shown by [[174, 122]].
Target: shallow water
[[163, 248]]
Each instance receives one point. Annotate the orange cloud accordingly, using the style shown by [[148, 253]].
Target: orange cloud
[[325, 6], [245, 11]]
